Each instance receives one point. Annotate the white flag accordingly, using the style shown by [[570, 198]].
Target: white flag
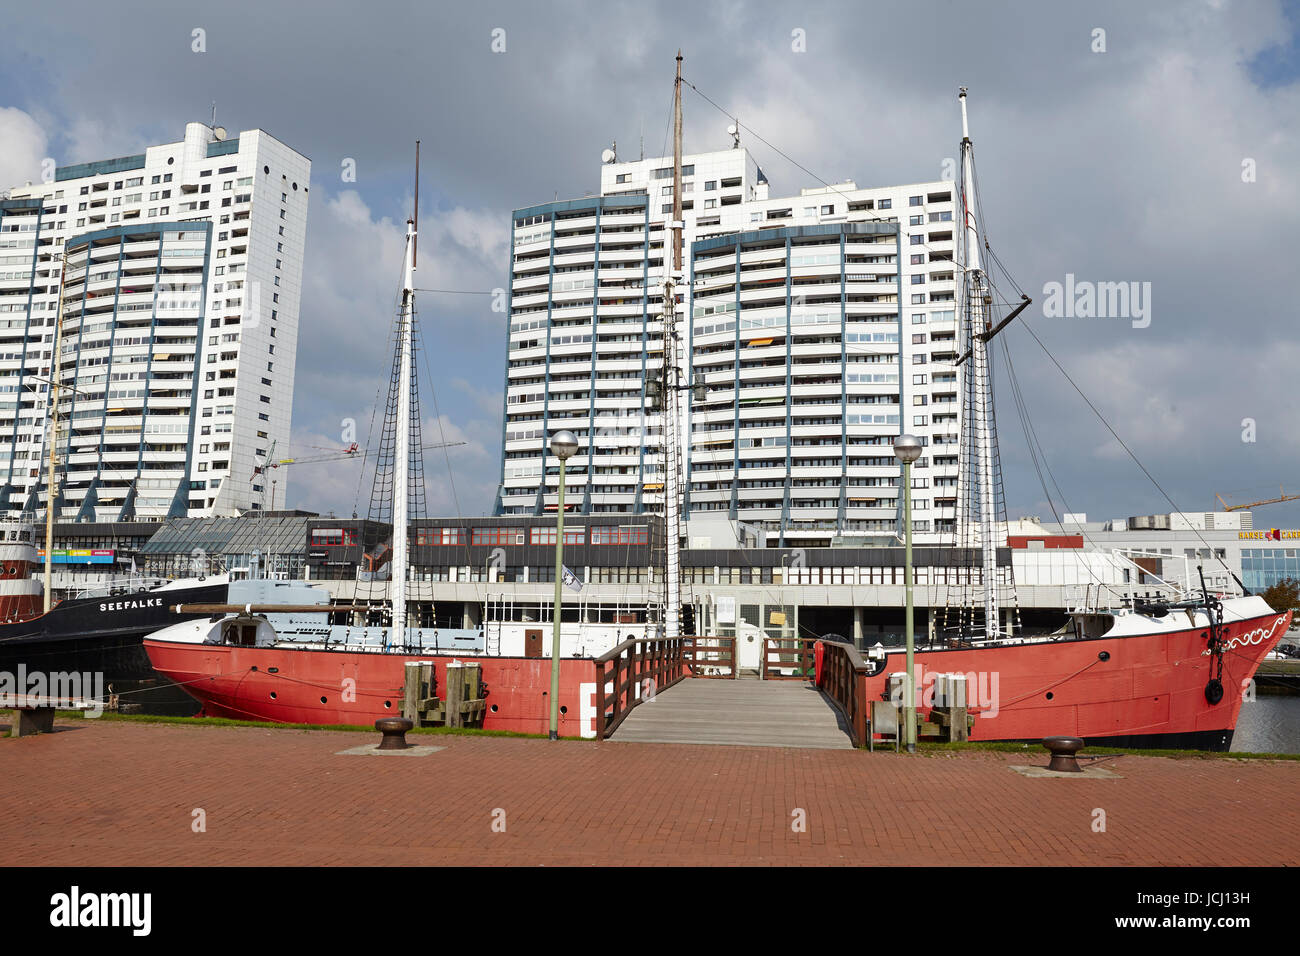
[[571, 580]]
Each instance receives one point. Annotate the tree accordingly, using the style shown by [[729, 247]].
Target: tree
[[1282, 596]]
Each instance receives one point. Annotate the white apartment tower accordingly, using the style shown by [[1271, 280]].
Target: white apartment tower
[[820, 325], [178, 328]]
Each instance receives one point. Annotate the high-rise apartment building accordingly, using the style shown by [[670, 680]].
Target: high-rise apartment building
[[820, 325], [178, 327]]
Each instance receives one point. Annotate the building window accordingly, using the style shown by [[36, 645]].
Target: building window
[[546, 536], [334, 537], [493, 536], [631, 534], [441, 537]]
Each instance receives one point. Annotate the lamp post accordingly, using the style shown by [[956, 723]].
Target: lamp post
[[907, 448], [563, 445]]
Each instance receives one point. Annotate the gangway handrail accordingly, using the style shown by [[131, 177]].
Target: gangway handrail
[[843, 679], [641, 667]]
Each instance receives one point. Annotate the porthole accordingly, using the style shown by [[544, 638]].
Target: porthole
[[170, 160], [295, 187], [494, 708], [322, 700], [564, 710], [388, 704], [267, 170], [1049, 696], [273, 697]]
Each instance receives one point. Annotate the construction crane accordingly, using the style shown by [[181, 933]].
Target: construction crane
[[1282, 496], [353, 451]]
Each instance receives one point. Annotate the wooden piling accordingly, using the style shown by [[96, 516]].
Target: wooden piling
[[455, 694]]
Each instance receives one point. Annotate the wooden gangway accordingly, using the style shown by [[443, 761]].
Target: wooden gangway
[[754, 713], [684, 690]]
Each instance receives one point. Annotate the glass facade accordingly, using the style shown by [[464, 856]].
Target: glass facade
[[1263, 567]]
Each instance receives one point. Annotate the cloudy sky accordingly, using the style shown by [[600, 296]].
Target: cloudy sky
[[1116, 142]]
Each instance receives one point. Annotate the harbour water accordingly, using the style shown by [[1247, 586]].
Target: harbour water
[[1269, 724]]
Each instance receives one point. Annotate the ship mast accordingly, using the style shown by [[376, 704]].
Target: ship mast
[[978, 302], [671, 390], [402, 449], [55, 369]]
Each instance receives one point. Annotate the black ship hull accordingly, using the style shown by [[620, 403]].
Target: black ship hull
[[103, 635]]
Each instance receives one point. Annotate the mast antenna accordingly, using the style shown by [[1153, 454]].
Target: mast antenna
[[672, 387], [982, 447], [415, 242]]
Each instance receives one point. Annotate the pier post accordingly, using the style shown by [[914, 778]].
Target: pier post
[[455, 694]]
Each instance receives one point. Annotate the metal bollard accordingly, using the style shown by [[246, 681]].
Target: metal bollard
[[1063, 750], [394, 730]]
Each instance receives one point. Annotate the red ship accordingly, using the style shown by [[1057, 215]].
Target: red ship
[[1128, 678], [285, 684]]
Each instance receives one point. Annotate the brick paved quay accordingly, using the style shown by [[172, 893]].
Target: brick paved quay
[[106, 793]]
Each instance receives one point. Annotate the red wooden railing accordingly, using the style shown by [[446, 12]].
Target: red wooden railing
[[638, 669], [788, 653], [635, 670], [844, 681], [711, 657]]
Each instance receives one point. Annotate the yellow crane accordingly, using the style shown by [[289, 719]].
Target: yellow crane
[[1282, 496], [344, 454], [353, 451]]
